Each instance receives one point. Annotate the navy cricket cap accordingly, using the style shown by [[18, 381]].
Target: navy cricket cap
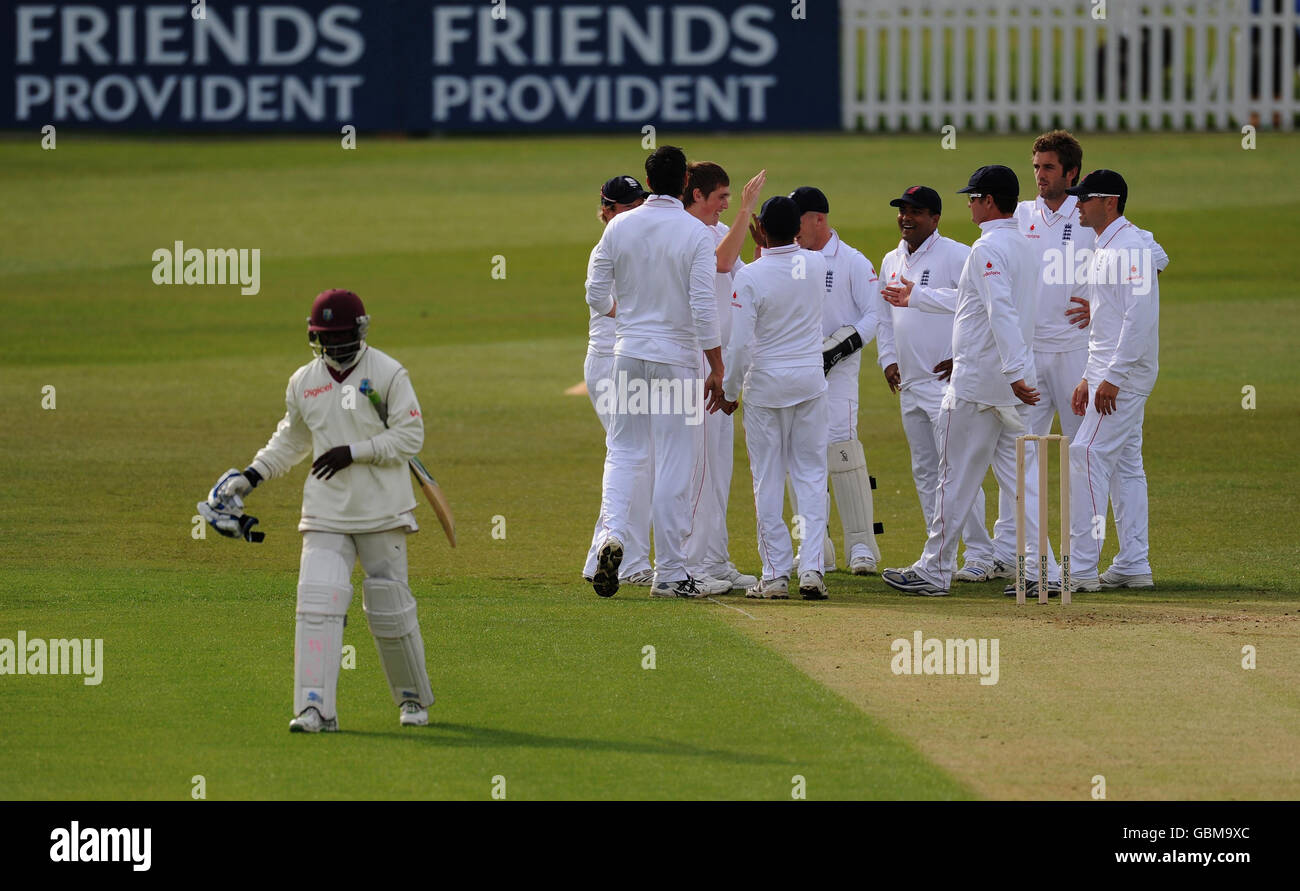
[[810, 198], [780, 217], [994, 179], [622, 190], [920, 196], [1101, 182]]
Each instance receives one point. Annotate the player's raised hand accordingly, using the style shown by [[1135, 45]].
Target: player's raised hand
[[899, 294], [757, 232], [1079, 316], [331, 462], [750, 194]]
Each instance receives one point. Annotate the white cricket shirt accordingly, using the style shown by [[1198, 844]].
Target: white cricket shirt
[[373, 494], [661, 261], [1063, 247], [1124, 341], [600, 329], [994, 322], [852, 290], [915, 339], [775, 351]]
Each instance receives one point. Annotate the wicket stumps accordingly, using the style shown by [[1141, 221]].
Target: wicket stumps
[[1043, 453]]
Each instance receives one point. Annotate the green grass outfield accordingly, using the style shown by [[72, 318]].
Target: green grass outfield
[[160, 388]]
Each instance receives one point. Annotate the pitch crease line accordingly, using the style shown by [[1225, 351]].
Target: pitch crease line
[[729, 606]]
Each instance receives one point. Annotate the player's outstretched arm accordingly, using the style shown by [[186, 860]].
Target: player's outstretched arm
[[728, 250]]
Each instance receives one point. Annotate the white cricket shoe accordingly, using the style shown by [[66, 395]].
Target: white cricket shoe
[[710, 586], [863, 564], [642, 578], [1113, 578], [975, 571], [770, 589], [1002, 570], [1088, 584], [812, 586], [684, 588], [739, 580], [909, 581], [412, 714], [310, 721], [605, 581], [1053, 587]]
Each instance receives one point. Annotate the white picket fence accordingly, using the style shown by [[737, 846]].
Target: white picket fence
[[1007, 65]]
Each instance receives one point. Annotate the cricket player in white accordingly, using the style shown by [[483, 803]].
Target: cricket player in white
[[1051, 223], [993, 378], [775, 354], [708, 194], [661, 261], [1123, 361], [619, 194], [357, 503], [915, 352], [848, 324]]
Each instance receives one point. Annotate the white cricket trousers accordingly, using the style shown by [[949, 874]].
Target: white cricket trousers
[[1058, 375], [636, 547], [708, 550], [919, 406], [666, 444], [781, 441], [1106, 462], [971, 437]]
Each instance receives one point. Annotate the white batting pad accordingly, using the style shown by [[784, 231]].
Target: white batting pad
[[318, 647], [390, 610]]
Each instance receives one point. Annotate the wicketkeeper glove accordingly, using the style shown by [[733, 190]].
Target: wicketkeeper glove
[[224, 509], [843, 343]]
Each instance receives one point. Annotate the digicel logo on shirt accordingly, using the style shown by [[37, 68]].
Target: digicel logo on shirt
[[316, 391]]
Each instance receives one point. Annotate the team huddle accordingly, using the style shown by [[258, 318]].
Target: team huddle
[[1053, 311]]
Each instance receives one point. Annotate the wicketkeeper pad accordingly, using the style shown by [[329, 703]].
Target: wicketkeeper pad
[[847, 463], [390, 610]]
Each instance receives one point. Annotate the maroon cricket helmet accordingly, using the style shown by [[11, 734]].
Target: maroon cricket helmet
[[336, 310]]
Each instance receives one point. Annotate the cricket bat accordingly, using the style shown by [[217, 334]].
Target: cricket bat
[[427, 483]]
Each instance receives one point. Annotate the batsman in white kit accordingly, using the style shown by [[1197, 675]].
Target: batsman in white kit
[[357, 504], [848, 324], [775, 355], [1123, 361], [915, 352], [993, 380]]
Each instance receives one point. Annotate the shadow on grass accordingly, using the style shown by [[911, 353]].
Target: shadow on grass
[[468, 736]]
